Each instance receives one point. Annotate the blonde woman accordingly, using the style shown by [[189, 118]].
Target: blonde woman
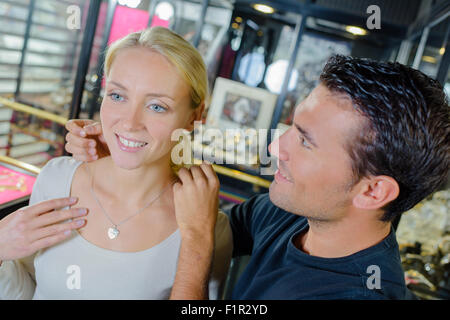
[[138, 210]]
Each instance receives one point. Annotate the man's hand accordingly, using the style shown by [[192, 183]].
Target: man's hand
[[85, 140], [196, 206], [196, 201], [32, 228]]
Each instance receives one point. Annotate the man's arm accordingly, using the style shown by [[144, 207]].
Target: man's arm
[[194, 268], [196, 206]]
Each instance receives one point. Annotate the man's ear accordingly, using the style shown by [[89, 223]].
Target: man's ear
[[376, 192], [196, 116]]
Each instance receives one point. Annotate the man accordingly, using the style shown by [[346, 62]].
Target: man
[[369, 142]]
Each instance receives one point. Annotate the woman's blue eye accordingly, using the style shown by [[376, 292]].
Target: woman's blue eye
[[116, 97], [157, 108]]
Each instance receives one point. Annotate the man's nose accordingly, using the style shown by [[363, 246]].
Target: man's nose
[[277, 148]]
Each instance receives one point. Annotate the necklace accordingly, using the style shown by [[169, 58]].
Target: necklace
[[113, 232]]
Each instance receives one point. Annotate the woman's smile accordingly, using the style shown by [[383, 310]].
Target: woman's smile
[[129, 145]]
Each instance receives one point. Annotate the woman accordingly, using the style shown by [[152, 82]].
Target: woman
[[128, 247]]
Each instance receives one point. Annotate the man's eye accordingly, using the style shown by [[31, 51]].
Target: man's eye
[[116, 97], [304, 142], [157, 108]]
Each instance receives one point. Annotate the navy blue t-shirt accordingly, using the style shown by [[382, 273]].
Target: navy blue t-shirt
[[279, 270]]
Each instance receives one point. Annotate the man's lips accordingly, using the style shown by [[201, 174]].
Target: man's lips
[[282, 172]]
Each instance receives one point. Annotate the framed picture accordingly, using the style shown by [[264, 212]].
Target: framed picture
[[237, 106], [239, 112]]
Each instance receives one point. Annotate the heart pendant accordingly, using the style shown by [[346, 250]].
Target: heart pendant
[[113, 233]]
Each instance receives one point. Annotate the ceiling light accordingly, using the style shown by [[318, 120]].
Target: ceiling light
[[263, 8], [130, 3], [164, 10], [356, 30], [429, 59]]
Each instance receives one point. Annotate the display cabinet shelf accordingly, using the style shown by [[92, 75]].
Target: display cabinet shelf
[[39, 24]]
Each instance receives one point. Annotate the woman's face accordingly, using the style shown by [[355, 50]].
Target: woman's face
[[145, 101]]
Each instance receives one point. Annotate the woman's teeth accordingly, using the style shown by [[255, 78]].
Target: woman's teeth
[[132, 144]]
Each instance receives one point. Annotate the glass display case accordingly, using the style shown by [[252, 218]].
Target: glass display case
[[423, 235], [430, 59], [49, 54], [39, 58], [16, 183]]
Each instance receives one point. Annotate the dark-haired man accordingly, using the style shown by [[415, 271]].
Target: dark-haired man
[[368, 143]]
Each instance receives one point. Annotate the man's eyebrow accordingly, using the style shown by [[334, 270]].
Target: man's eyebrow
[[306, 134], [158, 95]]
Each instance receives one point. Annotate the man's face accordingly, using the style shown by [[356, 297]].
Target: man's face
[[314, 177]]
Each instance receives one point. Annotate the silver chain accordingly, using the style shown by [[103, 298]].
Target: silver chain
[[139, 211]]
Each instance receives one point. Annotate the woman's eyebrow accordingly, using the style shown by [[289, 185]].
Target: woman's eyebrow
[[159, 95], [117, 84], [152, 94]]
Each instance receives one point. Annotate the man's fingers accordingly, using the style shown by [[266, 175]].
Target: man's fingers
[[76, 126], [57, 216], [209, 172], [80, 153], [185, 176], [56, 229], [49, 205], [176, 186], [79, 141], [93, 128], [50, 241], [198, 175], [85, 157]]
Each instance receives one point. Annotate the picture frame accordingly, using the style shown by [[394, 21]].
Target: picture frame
[[240, 112], [235, 105]]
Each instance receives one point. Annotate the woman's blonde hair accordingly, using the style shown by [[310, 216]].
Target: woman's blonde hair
[[186, 59]]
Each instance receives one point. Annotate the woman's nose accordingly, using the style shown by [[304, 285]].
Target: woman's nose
[[133, 119]]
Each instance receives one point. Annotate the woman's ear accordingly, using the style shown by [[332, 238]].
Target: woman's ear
[[196, 116]]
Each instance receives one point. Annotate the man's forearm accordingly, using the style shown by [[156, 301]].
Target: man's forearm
[[194, 268]]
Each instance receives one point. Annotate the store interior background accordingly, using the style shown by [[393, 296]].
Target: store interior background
[[51, 71]]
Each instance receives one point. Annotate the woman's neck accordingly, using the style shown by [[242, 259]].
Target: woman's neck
[[134, 186]]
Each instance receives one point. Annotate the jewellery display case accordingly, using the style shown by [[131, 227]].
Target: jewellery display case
[[16, 183], [39, 57], [423, 235], [42, 49], [31, 135]]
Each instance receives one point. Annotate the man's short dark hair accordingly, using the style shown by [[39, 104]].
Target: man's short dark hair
[[406, 132]]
